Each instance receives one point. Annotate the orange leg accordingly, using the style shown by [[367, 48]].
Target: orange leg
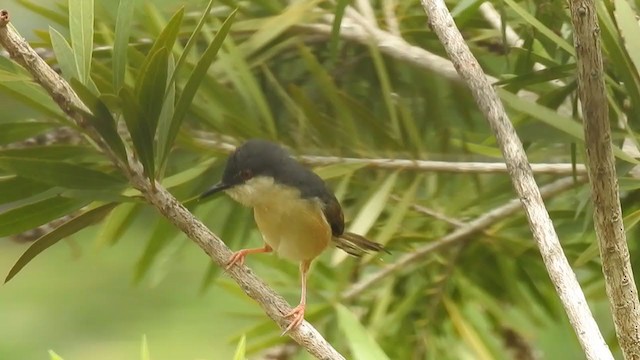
[[297, 314], [238, 256]]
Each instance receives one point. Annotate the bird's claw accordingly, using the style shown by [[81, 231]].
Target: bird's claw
[[297, 317], [236, 258]]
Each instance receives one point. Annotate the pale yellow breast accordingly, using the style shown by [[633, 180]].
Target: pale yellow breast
[[295, 229]]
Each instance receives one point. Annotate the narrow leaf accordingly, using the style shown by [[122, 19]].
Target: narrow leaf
[[16, 188], [62, 174], [139, 130], [189, 91], [193, 38], [71, 227], [163, 233], [543, 29], [64, 55], [241, 349], [629, 30], [30, 216], [101, 119], [363, 346], [124, 20], [151, 93], [17, 131], [144, 349], [553, 119], [54, 356], [81, 29]]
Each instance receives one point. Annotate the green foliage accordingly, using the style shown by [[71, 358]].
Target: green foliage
[[234, 70]]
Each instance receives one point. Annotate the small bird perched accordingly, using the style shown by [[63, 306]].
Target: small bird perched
[[297, 214]]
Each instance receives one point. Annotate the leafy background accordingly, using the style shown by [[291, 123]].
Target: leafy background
[[96, 293]]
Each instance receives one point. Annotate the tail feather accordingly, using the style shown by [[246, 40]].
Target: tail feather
[[357, 245]]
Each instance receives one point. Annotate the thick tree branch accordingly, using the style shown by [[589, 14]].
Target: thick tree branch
[[60, 91], [607, 215], [560, 272]]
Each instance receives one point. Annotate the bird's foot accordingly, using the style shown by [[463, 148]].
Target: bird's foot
[[297, 317], [236, 258]]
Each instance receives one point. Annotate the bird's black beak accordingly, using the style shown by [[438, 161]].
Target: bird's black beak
[[216, 188]]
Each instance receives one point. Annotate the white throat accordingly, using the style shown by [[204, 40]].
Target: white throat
[[261, 190]]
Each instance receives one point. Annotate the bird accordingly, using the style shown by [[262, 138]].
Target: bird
[[295, 211]]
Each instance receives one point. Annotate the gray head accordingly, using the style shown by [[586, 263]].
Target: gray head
[[261, 161]]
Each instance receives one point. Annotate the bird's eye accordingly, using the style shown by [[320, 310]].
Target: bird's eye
[[245, 174]]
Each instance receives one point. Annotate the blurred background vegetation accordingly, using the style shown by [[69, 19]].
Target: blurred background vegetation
[[283, 74]]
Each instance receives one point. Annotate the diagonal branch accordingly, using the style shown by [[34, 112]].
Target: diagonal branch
[[461, 233], [607, 214], [60, 91], [558, 267]]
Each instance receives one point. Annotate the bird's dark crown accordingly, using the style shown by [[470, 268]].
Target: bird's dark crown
[[258, 157]]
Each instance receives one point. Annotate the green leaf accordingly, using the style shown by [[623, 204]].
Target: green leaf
[[33, 96], [193, 39], [44, 11], [341, 5], [241, 349], [144, 349], [30, 216], [62, 174], [81, 29], [394, 223], [166, 39], [124, 20], [553, 119], [189, 91], [70, 227], [164, 119], [544, 30], [54, 356], [139, 130], [16, 188], [163, 233], [363, 346], [274, 26], [151, 94], [17, 131], [118, 222], [101, 119], [64, 55], [374, 206], [629, 30]]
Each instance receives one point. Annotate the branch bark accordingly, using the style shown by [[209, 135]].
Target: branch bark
[[560, 272], [60, 91], [413, 164], [460, 234], [607, 215]]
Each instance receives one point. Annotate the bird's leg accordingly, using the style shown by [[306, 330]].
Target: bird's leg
[[238, 256], [297, 314]]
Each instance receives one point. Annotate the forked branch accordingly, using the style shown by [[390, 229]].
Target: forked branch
[[560, 272]]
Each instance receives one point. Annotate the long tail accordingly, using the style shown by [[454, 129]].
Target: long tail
[[356, 245]]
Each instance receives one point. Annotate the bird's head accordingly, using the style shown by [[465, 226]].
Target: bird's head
[[251, 171]]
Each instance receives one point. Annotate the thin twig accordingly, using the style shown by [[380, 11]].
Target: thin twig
[[540, 223], [434, 214], [389, 11], [227, 146], [366, 10], [607, 212], [60, 91], [455, 237]]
